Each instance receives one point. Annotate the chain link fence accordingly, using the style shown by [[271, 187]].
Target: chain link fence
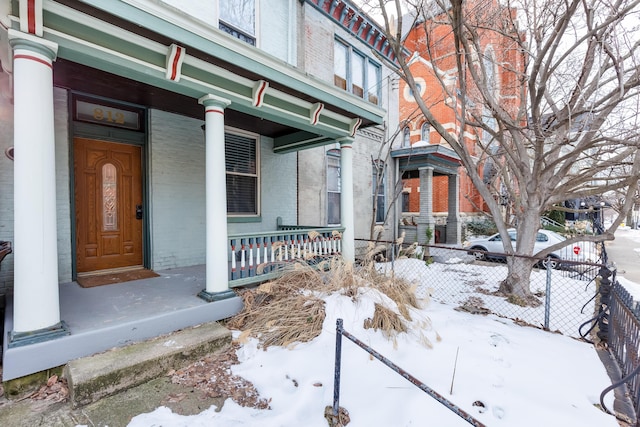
[[563, 298]]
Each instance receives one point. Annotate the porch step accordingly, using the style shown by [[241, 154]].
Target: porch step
[[104, 374]]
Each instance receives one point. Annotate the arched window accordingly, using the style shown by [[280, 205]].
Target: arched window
[[489, 64], [425, 130], [406, 137]]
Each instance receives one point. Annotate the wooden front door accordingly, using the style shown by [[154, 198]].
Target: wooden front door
[[108, 205]]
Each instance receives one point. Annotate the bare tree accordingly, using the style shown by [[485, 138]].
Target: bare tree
[[545, 96]]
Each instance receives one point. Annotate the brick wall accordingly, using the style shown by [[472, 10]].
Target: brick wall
[[177, 190], [63, 172], [6, 183]]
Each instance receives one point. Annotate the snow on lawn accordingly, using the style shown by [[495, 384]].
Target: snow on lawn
[[506, 375], [570, 299]]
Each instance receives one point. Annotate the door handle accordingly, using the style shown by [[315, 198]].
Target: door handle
[[138, 211]]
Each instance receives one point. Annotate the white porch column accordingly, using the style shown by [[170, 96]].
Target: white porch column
[[36, 300], [346, 199], [454, 232], [426, 220], [217, 270]]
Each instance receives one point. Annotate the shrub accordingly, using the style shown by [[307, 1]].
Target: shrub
[[482, 227]]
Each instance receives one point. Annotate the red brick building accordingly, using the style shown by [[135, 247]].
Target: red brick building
[[433, 63]]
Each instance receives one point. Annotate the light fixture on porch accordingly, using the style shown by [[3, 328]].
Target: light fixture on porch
[[9, 153]]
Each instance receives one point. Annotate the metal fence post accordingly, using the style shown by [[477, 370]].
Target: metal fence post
[[547, 296], [336, 373]]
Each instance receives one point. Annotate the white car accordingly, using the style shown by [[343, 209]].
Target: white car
[[491, 248]]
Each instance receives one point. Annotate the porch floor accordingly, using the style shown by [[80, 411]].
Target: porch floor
[[103, 317]]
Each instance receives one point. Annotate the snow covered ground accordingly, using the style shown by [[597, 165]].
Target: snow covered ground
[[505, 375]]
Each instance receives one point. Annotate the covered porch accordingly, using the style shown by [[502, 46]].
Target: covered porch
[[423, 161], [161, 80], [102, 317]]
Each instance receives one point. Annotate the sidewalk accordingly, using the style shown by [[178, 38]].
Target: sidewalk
[[624, 252]]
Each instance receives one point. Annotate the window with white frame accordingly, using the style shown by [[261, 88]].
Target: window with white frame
[[238, 18], [356, 73], [333, 187], [243, 178], [378, 181]]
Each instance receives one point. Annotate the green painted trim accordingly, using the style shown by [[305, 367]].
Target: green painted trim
[[215, 42], [112, 134], [19, 339], [281, 232], [302, 144], [216, 296], [20, 40], [253, 280], [144, 59], [280, 111], [241, 219], [294, 138]]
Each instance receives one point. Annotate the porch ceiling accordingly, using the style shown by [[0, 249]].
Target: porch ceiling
[[124, 46], [443, 160], [89, 80]]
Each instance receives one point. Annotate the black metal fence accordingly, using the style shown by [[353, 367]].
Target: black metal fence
[[623, 339], [335, 416]]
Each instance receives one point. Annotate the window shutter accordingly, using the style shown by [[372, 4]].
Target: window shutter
[[242, 174]]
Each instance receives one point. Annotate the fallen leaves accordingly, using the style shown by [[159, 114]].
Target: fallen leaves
[[55, 390], [213, 375]]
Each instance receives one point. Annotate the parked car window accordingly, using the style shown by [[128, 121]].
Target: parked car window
[[542, 238]]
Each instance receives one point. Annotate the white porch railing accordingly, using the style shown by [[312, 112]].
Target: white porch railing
[[257, 257]]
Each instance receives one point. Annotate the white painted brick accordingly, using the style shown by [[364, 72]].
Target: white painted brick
[[178, 190]]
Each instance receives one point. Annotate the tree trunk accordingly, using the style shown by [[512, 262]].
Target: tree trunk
[[517, 281], [520, 267]]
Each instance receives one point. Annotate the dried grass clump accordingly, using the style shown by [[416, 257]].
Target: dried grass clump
[[282, 312], [375, 252], [290, 308], [386, 320], [402, 293]]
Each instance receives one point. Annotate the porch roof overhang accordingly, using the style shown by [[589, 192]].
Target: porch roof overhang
[[443, 160], [133, 39]]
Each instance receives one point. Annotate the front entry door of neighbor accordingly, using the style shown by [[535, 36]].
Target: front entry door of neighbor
[[108, 205]]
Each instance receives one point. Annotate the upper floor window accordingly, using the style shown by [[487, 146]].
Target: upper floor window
[[238, 18], [243, 178], [356, 73]]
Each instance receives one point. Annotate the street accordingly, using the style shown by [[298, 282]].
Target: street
[[624, 252]]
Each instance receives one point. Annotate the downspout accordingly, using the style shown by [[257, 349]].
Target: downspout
[[291, 51]]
